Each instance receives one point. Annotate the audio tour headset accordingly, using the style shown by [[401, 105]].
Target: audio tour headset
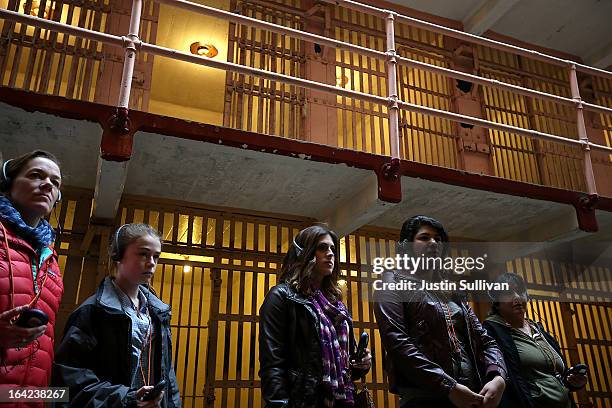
[[6, 179], [298, 249], [115, 256]]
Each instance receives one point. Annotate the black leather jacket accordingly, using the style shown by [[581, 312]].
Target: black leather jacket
[[94, 358], [415, 338], [290, 350]]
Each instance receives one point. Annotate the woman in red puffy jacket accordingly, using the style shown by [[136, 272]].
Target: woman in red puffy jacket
[[29, 272]]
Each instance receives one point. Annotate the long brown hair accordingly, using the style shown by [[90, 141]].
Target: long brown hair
[[297, 266]]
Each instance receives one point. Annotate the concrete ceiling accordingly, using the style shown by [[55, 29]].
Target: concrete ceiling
[[218, 175], [605, 217], [76, 143], [580, 28], [470, 213], [455, 10], [230, 177], [238, 178]]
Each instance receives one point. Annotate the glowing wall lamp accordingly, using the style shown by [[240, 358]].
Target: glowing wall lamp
[[204, 50], [186, 266]]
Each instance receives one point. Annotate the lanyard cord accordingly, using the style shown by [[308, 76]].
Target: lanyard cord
[[10, 267], [149, 339], [43, 279], [36, 343], [450, 327]]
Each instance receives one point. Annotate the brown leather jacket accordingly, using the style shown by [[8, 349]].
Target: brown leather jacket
[[416, 342]]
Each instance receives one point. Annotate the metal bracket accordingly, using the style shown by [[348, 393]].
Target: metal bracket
[[588, 202], [391, 170], [120, 122], [585, 212]]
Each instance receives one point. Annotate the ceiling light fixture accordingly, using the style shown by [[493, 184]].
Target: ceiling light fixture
[[203, 50]]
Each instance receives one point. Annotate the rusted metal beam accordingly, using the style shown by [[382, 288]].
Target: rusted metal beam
[[148, 122]]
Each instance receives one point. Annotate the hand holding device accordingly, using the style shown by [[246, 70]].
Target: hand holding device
[[32, 318], [154, 393]]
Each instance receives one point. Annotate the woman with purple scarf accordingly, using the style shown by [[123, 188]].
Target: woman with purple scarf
[[306, 343]]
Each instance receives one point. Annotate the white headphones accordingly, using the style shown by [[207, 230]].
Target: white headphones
[[298, 249], [117, 235], [4, 169]]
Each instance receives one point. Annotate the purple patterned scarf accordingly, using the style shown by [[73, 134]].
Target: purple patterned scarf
[[334, 332]]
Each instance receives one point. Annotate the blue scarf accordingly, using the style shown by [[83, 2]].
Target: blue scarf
[[41, 236]]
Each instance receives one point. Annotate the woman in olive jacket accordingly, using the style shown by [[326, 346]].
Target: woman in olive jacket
[[538, 375]]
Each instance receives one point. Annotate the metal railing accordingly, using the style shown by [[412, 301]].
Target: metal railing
[[132, 44]]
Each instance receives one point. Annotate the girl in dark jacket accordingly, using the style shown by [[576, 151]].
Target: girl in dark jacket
[[117, 344], [537, 373], [438, 354], [306, 341], [29, 273]]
